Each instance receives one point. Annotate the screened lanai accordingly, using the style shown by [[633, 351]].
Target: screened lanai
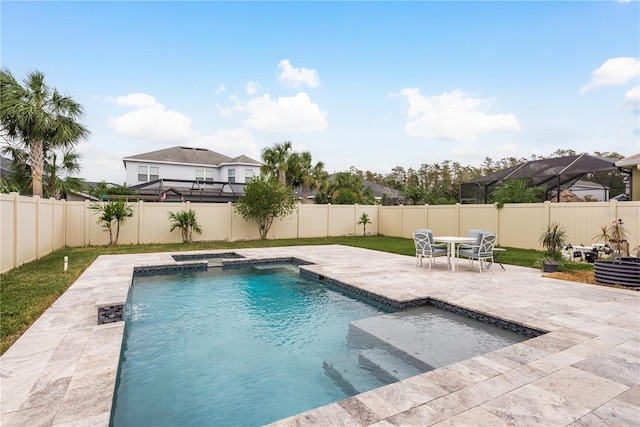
[[554, 174]]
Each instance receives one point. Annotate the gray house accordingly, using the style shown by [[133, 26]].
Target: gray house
[[188, 173]]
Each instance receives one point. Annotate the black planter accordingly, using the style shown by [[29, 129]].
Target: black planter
[[625, 271], [549, 266]]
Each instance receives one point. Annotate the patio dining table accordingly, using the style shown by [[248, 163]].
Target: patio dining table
[[451, 246]]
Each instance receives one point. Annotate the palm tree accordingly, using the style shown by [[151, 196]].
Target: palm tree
[[276, 161], [516, 191], [38, 117], [57, 171], [302, 173], [114, 210], [187, 222]]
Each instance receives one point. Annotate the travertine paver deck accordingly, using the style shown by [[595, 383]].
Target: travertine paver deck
[[584, 372]]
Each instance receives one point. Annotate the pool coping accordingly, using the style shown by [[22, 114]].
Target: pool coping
[[62, 370]]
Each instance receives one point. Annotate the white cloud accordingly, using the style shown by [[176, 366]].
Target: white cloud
[[453, 115], [221, 89], [464, 150], [136, 100], [101, 162], [150, 120], [614, 72], [297, 77], [286, 114], [232, 143], [251, 88], [632, 98]]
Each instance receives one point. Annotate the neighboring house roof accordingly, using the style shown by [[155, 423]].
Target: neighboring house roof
[[629, 162], [189, 156], [5, 166], [581, 184], [244, 160]]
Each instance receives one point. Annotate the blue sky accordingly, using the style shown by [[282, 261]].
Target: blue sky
[[372, 85]]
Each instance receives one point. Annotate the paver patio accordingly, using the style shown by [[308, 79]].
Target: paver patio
[[585, 371]]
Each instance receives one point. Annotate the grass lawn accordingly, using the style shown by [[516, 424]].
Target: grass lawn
[[27, 291]]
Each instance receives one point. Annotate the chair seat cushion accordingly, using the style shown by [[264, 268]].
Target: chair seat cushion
[[472, 253]]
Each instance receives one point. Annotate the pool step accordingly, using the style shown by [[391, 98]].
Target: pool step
[[347, 374], [387, 367]]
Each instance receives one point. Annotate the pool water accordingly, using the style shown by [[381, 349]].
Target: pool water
[[245, 347], [238, 347]]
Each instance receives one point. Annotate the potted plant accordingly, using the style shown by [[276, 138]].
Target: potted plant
[[621, 269], [552, 239], [614, 234]]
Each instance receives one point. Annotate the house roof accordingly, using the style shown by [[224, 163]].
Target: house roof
[[188, 155], [244, 160], [630, 161]]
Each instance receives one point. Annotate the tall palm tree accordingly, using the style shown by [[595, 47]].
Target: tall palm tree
[[58, 168], [38, 117], [276, 161]]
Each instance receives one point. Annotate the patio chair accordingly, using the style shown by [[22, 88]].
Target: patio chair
[[425, 248], [481, 252], [472, 233]]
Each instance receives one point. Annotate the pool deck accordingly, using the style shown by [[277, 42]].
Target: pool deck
[[584, 372]]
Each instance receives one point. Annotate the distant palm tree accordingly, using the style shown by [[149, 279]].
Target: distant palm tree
[[38, 118], [302, 173], [57, 173], [113, 211], [276, 161]]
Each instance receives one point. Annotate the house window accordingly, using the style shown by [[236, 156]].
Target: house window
[[148, 173], [231, 174], [203, 175], [248, 175]]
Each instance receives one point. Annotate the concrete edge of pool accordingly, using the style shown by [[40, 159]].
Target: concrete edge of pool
[[586, 370]]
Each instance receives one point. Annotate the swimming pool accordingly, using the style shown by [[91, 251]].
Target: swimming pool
[[243, 347]]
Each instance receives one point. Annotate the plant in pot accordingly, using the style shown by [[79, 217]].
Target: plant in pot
[[614, 234], [620, 269], [552, 239]]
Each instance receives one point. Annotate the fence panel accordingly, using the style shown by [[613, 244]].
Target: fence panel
[[443, 220], [313, 221], [482, 217], [414, 217], [391, 221], [44, 233], [58, 232], [521, 224], [342, 220], [8, 232]]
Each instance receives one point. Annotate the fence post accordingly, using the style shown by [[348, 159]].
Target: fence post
[[298, 221], [37, 242], [87, 227], [230, 224], [547, 213], [458, 231], [15, 229], [140, 222], [328, 219]]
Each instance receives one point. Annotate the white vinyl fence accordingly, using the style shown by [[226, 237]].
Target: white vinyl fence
[[32, 227]]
